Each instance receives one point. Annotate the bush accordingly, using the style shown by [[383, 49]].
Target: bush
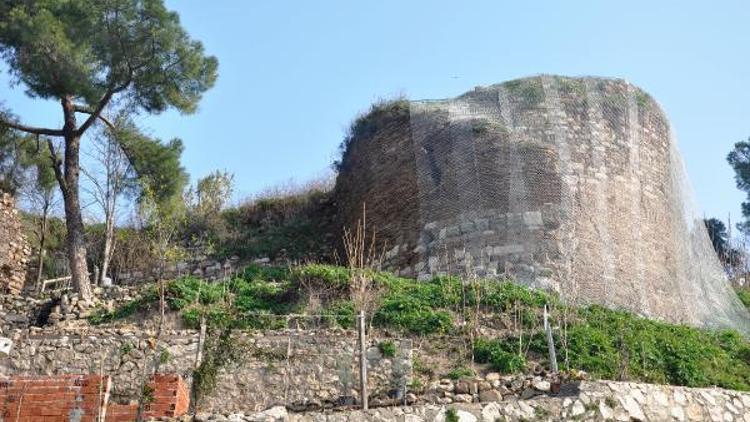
[[340, 314], [460, 372], [412, 315], [387, 349], [616, 345], [744, 296], [142, 303], [451, 415], [501, 355]]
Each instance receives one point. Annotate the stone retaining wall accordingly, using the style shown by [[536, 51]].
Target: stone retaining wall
[[299, 369], [618, 401], [14, 251]]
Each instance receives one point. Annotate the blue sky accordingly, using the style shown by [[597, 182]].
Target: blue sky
[[294, 74]]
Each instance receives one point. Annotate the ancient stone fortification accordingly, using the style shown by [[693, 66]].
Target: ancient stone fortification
[[570, 184], [14, 251]]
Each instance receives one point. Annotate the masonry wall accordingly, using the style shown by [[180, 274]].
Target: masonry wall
[[569, 184], [85, 398], [302, 370], [590, 401], [14, 250]]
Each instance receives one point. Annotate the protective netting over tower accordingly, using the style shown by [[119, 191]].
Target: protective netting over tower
[[570, 184]]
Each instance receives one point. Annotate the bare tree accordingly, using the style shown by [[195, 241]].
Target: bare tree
[[107, 183], [362, 257], [41, 199], [44, 201], [160, 222]]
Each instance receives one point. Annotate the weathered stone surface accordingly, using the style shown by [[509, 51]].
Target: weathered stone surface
[[571, 184], [311, 376], [490, 396], [14, 250]]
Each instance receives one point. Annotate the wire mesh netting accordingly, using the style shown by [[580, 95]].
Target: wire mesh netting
[[570, 184]]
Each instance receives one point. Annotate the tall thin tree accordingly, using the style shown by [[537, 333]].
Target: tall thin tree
[[86, 54]]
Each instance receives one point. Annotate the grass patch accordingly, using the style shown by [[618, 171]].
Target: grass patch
[[605, 343], [530, 91], [617, 345], [460, 372], [744, 296], [260, 295], [502, 355], [276, 226]]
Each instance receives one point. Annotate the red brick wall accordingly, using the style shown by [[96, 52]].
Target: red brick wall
[[83, 398], [52, 399]]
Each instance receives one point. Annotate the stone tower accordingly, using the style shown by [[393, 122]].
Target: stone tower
[[569, 184]]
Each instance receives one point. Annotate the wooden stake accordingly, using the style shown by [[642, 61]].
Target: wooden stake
[[550, 341], [362, 360]]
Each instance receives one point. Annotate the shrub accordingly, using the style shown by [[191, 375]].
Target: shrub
[[340, 314], [451, 415], [387, 349], [744, 296], [460, 372], [142, 303], [500, 354], [412, 315]]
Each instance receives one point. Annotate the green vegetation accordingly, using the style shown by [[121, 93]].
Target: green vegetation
[[148, 300], [261, 295], [366, 124], [387, 349], [451, 415], [460, 372], [502, 355], [618, 345], [126, 348], [744, 296], [615, 344], [643, 99], [147, 395], [165, 356], [220, 350], [529, 90], [89, 57], [605, 343], [572, 86], [288, 224]]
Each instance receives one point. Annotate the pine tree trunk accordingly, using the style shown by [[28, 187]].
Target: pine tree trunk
[[75, 241]]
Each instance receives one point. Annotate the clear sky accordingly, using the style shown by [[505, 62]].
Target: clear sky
[[294, 74]]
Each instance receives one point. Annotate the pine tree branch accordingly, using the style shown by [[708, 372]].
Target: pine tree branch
[[87, 110], [29, 129], [97, 111], [56, 166]]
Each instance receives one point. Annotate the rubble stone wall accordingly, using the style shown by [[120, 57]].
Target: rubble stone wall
[[302, 370], [14, 250], [589, 401]]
